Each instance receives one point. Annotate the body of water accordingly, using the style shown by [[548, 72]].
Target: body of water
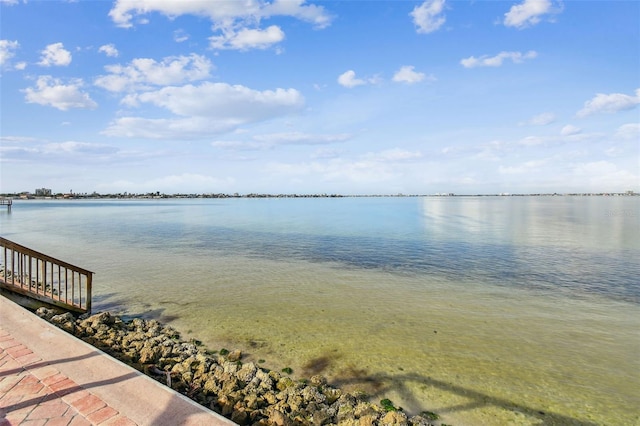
[[486, 310]]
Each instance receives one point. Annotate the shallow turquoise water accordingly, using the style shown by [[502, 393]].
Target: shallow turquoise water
[[484, 309]]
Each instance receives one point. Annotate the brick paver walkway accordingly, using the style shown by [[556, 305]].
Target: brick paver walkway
[[35, 393]]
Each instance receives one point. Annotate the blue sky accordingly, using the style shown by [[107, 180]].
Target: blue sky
[[347, 97]]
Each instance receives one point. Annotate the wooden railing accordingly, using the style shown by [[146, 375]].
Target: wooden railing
[[44, 278], [6, 202]]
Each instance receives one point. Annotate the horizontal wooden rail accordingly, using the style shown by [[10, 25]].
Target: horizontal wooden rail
[[38, 276]]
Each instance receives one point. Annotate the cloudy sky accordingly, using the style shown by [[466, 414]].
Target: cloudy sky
[[294, 96]]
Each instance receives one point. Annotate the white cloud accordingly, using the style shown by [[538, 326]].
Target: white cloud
[[73, 147], [605, 176], [610, 103], [180, 35], [570, 130], [17, 139], [299, 138], [142, 73], [428, 16], [59, 152], [629, 131], [109, 50], [326, 153], [167, 128], [124, 11], [51, 91], [55, 54], [407, 74], [271, 140], [238, 21], [221, 13], [526, 167], [218, 100], [529, 13], [369, 168], [246, 38], [394, 155], [239, 145], [532, 141], [542, 119], [348, 79], [497, 60], [7, 50], [311, 13], [207, 109], [191, 182]]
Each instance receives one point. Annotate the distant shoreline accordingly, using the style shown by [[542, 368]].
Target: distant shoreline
[[158, 196]]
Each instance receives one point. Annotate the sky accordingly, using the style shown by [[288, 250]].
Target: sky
[[320, 97]]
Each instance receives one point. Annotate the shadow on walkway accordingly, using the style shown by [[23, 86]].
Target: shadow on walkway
[[67, 391], [40, 364]]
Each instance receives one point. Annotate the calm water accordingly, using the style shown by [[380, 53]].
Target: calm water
[[487, 310]]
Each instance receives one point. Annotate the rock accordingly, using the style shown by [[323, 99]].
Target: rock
[[225, 404], [394, 418], [188, 349], [270, 398], [234, 355], [137, 324], [368, 420], [202, 365], [266, 382], [253, 401], [311, 394], [230, 368], [331, 394], [284, 383], [149, 355], [62, 318], [320, 417], [45, 313], [363, 409], [419, 421], [240, 417], [345, 412], [247, 372], [66, 321], [165, 350], [211, 386], [101, 318], [318, 380], [277, 418], [296, 403], [230, 386]]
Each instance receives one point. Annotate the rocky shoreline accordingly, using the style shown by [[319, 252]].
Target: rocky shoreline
[[243, 392]]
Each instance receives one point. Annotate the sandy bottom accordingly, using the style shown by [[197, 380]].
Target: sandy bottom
[[473, 353]]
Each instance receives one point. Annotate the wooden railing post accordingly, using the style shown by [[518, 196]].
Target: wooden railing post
[[89, 285]]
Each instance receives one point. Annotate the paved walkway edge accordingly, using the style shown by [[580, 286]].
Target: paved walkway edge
[[41, 349]]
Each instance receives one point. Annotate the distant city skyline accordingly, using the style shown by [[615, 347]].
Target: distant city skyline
[[48, 193], [304, 97]]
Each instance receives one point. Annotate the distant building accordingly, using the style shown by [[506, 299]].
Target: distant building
[[43, 192]]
